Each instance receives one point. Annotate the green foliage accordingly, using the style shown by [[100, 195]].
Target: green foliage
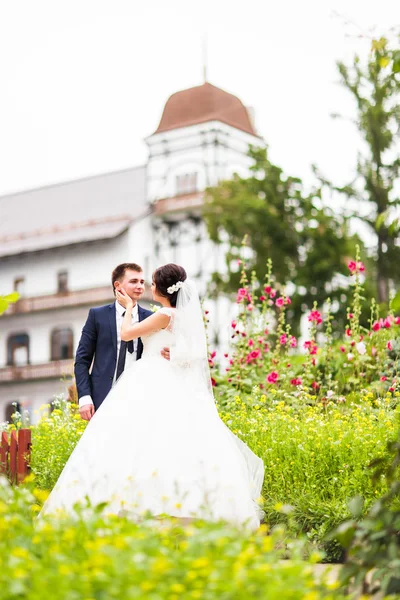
[[374, 542], [53, 441], [92, 556], [307, 243], [375, 87], [315, 457]]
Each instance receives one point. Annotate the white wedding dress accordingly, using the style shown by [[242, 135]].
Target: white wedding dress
[[157, 445]]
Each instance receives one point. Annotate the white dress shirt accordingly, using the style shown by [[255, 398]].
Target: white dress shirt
[[130, 357]]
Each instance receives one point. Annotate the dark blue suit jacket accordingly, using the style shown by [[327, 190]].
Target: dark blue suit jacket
[[99, 341]]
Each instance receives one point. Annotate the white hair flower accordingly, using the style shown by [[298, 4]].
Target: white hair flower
[[174, 288]]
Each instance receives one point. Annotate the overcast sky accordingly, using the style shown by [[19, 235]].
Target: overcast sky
[[83, 82]]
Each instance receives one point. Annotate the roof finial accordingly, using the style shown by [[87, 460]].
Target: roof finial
[[205, 65]]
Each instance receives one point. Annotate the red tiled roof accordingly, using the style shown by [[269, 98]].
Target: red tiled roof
[[202, 104]]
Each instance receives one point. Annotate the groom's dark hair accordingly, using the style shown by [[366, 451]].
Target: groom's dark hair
[[119, 272], [166, 276]]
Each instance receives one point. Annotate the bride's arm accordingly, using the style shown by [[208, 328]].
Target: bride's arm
[[154, 323]]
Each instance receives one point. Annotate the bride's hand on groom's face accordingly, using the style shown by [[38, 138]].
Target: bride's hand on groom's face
[[123, 298]]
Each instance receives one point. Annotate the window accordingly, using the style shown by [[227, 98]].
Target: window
[[18, 349], [19, 285], [11, 408], [62, 279], [186, 184], [61, 343]]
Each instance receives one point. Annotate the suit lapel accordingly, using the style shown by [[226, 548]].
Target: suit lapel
[[113, 326]]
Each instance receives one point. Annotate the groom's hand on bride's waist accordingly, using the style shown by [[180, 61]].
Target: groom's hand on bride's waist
[[86, 411], [165, 353]]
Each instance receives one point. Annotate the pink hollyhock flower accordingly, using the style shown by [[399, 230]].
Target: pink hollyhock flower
[[226, 355], [387, 323], [352, 343], [273, 377], [250, 307], [315, 317], [315, 385], [397, 320], [272, 294], [250, 343], [266, 347], [262, 298], [373, 351], [283, 339], [296, 381], [268, 289], [342, 349], [229, 380], [280, 302], [376, 326], [242, 293], [348, 332], [213, 382], [351, 315], [383, 378], [211, 363], [352, 266], [213, 354], [356, 266], [288, 300], [266, 332], [293, 342], [389, 345]]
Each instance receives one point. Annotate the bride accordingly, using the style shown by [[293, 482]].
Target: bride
[[157, 445]]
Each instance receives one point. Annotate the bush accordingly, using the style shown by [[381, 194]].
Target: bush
[[53, 440], [104, 558], [316, 457]]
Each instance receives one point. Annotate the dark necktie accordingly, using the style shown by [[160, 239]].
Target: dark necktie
[[122, 355]]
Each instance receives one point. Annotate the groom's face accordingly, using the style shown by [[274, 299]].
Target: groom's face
[[132, 283]]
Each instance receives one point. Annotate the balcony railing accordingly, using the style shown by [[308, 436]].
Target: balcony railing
[[92, 296], [50, 370], [179, 203]]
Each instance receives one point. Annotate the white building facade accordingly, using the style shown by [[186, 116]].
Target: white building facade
[[59, 244]]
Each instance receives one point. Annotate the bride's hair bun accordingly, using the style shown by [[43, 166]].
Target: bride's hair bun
[[166, 277]]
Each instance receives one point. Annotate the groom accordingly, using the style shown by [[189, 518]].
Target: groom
[[101, 341]]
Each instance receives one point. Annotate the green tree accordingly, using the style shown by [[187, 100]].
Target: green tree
[[375, 87], [309, 245]]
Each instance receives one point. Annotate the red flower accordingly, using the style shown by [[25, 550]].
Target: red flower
[[348, 332], [389, 345], [383, 378], [387, 323], [288, 300], [283, 339], [342, 349], [376, 326], [268, 289], [242, 293], [397, 320], [315, 317], [213, 354], [273, 377], [262, 298], [233, 324], [296, 381], [280, 302], [272, 294], [250, 343], [356, 266], [213, 382], [315, 385]]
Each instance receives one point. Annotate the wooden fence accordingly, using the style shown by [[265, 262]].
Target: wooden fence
[[14, 454]]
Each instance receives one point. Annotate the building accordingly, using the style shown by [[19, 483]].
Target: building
[[59, 244]]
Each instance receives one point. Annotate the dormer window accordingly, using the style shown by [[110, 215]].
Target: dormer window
[[186, 184]]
